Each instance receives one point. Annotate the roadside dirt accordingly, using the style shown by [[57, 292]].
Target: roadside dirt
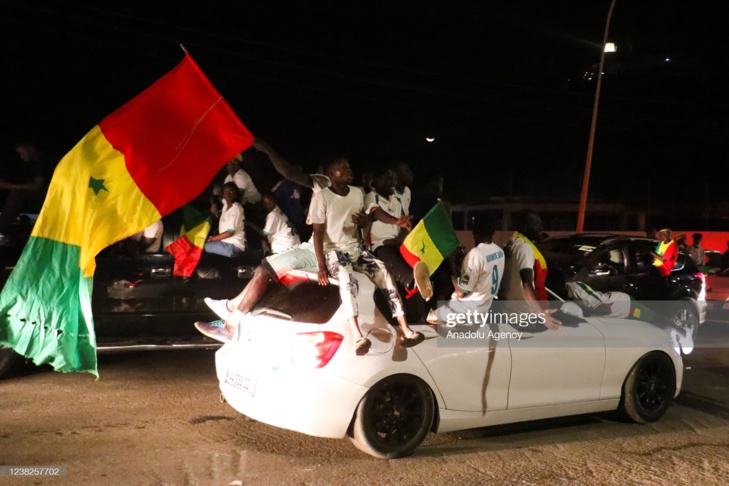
[[155, 419]]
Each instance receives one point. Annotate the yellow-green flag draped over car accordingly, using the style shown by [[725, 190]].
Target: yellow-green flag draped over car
[[146, 159]]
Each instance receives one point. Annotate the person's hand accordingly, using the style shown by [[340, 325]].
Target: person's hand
[[405, 222], [389, 242], [261, 145], [323, 276], [552, 323], [360, 219]]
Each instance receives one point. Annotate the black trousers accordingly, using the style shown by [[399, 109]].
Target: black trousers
[[401, 272]]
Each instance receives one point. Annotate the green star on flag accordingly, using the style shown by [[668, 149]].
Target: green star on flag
[[431, 240], [97, 185]]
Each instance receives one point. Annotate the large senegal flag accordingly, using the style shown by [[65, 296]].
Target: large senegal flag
[[146, 159], [187, 249], [432, 239]]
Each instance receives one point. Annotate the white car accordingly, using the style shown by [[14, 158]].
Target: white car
[[293, 366]]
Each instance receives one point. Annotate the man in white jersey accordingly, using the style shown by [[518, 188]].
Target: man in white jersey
[[404, 181], [480, 276], [339, 251], [384, 239]]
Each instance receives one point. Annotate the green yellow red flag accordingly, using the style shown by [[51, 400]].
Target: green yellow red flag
[[187, 249], [146, 159], [432, 239]]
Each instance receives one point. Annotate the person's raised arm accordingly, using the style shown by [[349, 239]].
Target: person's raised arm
[[282, 166]]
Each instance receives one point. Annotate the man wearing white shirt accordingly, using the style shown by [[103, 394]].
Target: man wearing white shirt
[[231, 239], [480, 277], [248, 191], [404, 181], [384, 239], [334, 213], [278, 230]]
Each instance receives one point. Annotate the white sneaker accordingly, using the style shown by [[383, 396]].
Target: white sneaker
[[220, 307], [432, 316], [421, 274]]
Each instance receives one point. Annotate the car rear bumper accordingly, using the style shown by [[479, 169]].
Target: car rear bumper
[[310, 401]]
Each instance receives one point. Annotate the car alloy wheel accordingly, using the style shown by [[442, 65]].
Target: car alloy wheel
[[649, 388], [394, 417]]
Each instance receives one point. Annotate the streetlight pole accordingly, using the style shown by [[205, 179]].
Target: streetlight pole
[[591, 143]]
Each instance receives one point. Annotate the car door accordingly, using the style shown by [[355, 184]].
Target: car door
[[606, 269], [471, 374], [550, 368], [138, 295], [641, 283]]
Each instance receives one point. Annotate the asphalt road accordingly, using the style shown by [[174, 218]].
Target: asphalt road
[[155, 419]]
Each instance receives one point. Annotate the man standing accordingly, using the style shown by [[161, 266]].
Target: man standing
[[664, 258], [481, 273], [526, 271], [404, 181], [696, 251], [248, 191], [334, 212]]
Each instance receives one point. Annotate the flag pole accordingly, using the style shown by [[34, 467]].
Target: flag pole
[[183, 48]]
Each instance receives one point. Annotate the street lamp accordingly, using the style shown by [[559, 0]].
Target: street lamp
[[591, 143]]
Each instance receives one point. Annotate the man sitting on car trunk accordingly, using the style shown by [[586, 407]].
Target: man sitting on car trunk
[[339, 252]]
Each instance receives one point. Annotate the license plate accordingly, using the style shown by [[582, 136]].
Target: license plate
[[241, 382]]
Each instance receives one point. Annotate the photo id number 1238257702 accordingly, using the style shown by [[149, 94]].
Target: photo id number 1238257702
[[32, 471]]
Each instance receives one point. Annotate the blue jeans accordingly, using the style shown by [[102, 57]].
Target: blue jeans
[[222, 248]]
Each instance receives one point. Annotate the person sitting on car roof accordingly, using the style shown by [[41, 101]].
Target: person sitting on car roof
[[664, 258]]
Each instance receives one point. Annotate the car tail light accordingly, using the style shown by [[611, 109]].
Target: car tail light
[[702, 294], [315, 349]]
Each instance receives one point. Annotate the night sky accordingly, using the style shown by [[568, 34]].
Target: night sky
[[503, 87]]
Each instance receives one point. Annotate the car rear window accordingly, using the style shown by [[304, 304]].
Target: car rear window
[[304, 301]]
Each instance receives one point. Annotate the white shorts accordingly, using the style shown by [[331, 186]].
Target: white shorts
[[298, 257]]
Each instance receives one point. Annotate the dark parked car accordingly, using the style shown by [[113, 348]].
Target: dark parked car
[[621, 263], [138, 304]]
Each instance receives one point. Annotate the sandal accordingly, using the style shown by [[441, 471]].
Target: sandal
[[362, 346], [412, 339]]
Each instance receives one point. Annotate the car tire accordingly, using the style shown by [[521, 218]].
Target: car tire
[[394, 417], [684, 315], [649, 388], [7, 358]]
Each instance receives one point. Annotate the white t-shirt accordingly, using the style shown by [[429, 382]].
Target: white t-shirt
[[405, 197], [481, 273], [319, 182], [379, 231], [249, 193], [279, 231], [233, 219], [336, 212], [155, 231], [521, 257]]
